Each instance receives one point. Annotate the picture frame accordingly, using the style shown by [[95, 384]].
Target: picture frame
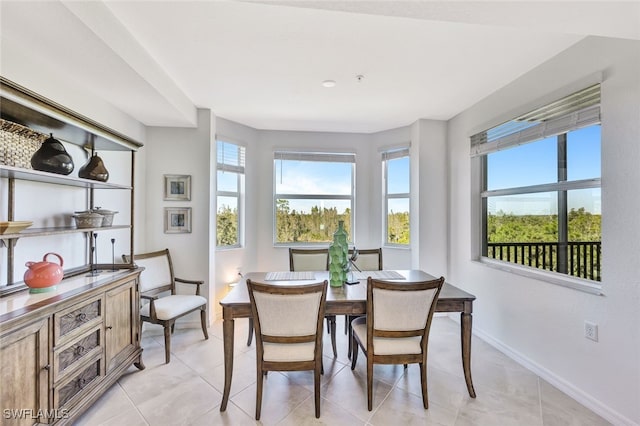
[[177, 220], [177, 187]]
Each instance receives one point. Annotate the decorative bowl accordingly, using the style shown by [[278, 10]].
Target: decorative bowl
[[107, 215], [88, 220], [13, 227]]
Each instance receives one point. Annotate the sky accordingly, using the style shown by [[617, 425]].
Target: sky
[[528, 164], [536, 163]]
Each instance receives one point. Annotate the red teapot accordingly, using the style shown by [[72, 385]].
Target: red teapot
[[43, 276]]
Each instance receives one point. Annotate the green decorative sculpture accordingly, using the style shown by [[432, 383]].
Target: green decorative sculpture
[[338, 257]]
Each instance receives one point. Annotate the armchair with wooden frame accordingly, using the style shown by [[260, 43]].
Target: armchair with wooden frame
[[288, 325], [396, 328], [156, 280]]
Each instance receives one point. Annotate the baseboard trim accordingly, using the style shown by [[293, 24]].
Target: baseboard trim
[[574, 392]]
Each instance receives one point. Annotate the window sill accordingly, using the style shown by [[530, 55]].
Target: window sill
[[226, 248], [546, 276], [398, 246]]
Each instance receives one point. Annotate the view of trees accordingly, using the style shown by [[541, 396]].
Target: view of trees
[[316, 226], [227, 226], [509, 228], [398, 228], [532, 240]]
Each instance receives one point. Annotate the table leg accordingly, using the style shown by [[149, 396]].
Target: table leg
[[332, 326], [227, 333], [465, 334]]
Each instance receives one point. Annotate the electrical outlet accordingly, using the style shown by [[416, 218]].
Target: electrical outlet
[[591, 331]]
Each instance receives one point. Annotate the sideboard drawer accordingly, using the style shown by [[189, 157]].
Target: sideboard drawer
[[69, 356], [84, 380], [77, 319]]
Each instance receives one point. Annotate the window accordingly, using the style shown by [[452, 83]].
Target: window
[[312, 192], [229, 192], [395, 164], [541, 198]]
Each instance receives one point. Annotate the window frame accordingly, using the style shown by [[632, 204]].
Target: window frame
[[313, 155], [386, 156], [585, 116], [239, 170]]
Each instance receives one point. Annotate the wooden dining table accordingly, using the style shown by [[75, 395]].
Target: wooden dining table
[[344, 300]]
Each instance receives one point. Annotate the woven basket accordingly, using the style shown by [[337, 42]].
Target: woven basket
[[18, 144]]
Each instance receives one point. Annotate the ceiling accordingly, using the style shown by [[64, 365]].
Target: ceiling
[[261, 63]]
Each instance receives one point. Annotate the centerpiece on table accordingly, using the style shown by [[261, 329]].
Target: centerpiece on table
[[338, 257]]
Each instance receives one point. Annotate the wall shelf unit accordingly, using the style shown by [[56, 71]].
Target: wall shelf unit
[[64, 348]]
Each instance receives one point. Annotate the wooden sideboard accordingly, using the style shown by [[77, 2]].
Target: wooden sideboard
[[60, 351]]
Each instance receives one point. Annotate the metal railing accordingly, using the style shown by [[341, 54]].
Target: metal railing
[[579, 259]]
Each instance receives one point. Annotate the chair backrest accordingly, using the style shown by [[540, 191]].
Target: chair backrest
[[308, 259], [287, 314], [401, 309], [157, 276], [368, 259]]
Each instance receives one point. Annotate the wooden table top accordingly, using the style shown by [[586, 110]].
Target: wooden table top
[[348, 293]]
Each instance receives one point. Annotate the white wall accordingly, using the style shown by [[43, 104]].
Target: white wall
[[542, 324], [432, 213], [180, 151]]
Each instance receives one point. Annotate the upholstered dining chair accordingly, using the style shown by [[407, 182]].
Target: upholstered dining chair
[[158, 286], [288, 325], [307, 260], [314, 260], [396, 328], [363, 260]]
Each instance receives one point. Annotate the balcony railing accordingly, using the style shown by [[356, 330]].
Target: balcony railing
[[579, 259]]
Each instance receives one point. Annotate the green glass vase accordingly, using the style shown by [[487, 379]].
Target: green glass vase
[[338, 257]]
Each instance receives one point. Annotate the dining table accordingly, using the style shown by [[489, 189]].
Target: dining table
[[343, 300]]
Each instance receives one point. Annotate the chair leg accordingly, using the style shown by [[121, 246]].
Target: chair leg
[[250, 336], [370, 382], [346, 323], [259, 391], [203, 322], [354, 352], [350, 335], [423, 382], [167, 342], [333, 336], [316, 389]]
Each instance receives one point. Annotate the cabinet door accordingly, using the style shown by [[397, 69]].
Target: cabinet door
[[121, 323], [24, 374]]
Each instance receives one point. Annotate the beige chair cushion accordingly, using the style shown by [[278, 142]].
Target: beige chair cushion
[[367, 262], [309, 262], [156, 273], [169, 307], [288, 315], [289, 352], [385, 345], [401, 310]]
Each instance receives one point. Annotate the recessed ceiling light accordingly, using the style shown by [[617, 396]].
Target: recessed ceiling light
[[328, 83]]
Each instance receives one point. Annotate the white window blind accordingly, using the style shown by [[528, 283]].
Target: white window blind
[[231, 157], [315, 156], [581, 109], [395, 153]]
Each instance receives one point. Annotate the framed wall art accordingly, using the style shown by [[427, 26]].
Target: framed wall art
[[177, 187], [177, 220]]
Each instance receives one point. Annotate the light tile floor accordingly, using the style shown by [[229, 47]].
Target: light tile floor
[[188, 391]]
